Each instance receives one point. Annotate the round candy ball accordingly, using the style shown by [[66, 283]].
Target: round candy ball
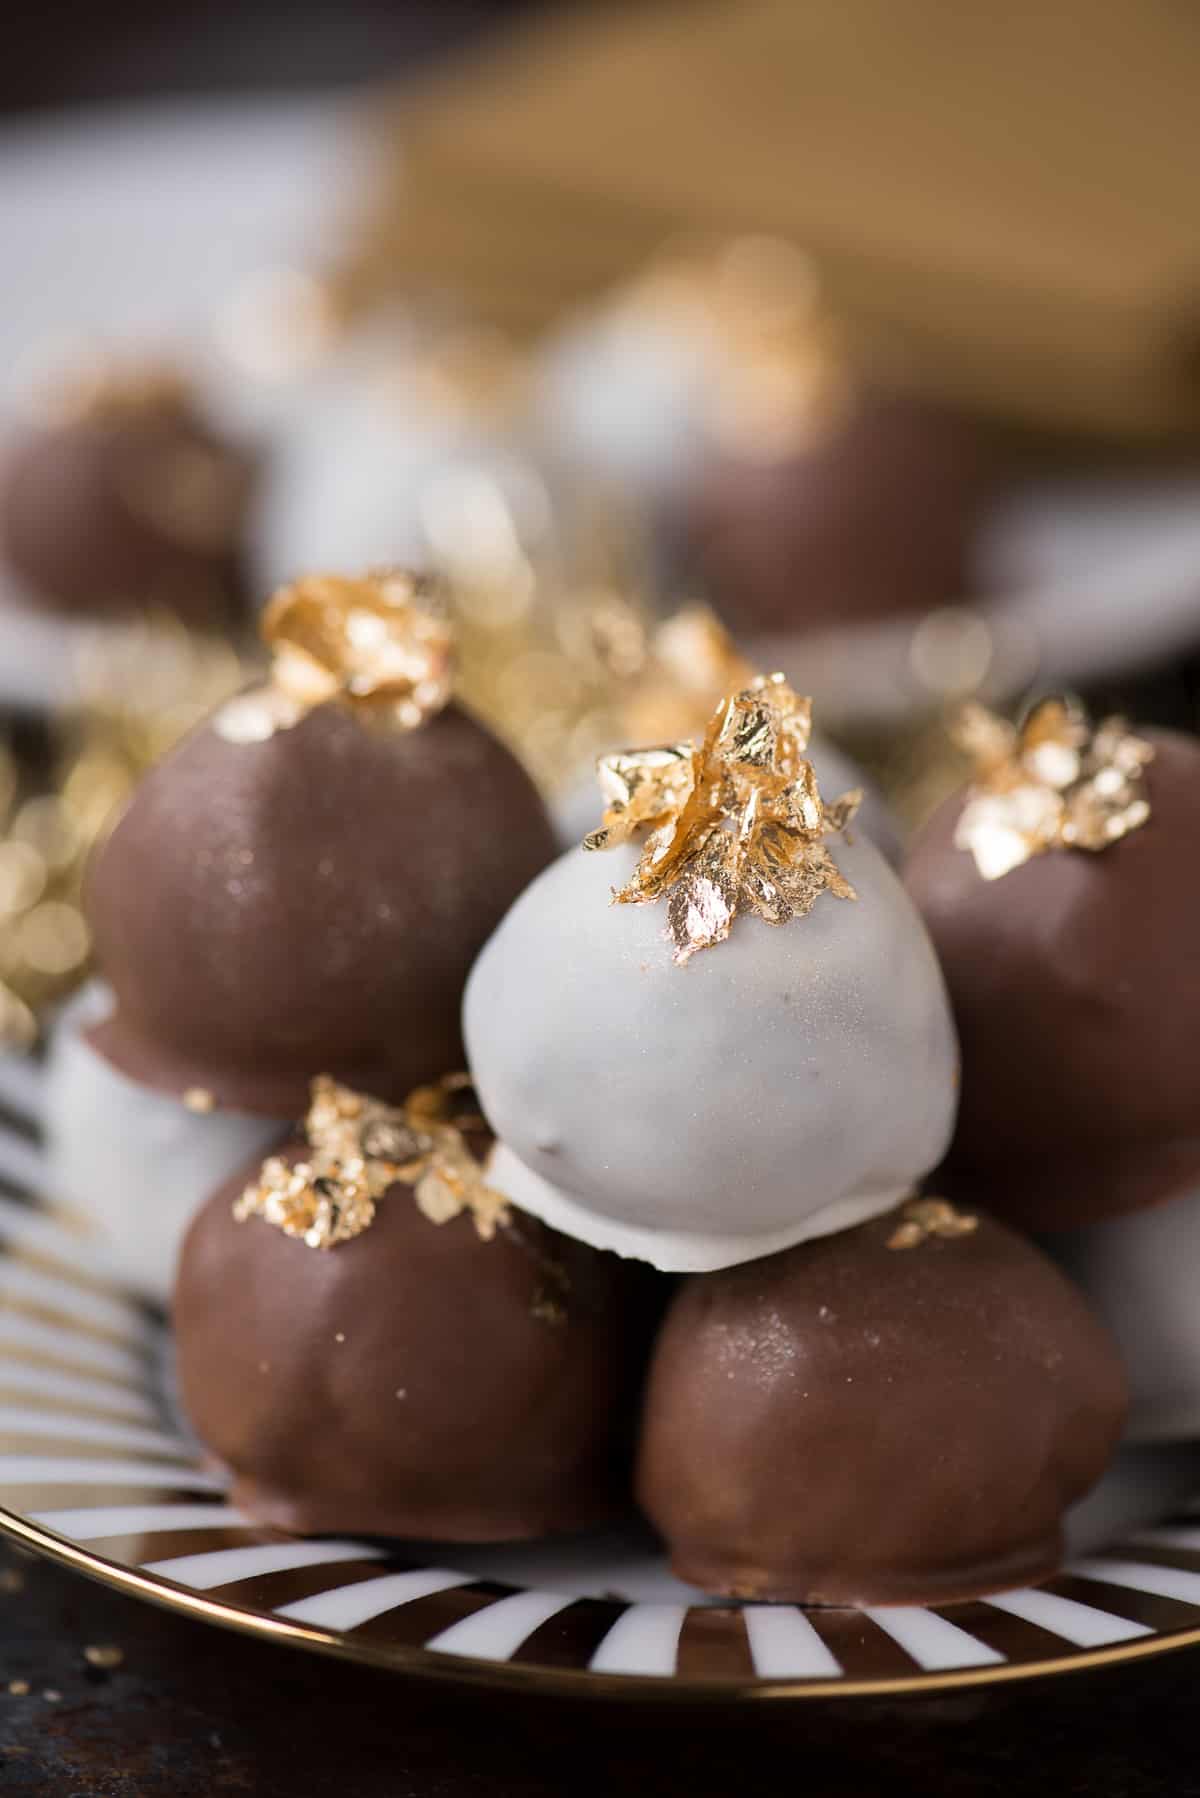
[[854, 1422], [414, 1381], [311, 903], [1075, 980], [133, 507], [875, 516], [791, 1080]]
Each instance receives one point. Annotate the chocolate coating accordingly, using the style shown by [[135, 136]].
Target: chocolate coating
[[875, 516], [123, 512], [404, 1383], [847, 1423], [308, 904], [1075, 981]]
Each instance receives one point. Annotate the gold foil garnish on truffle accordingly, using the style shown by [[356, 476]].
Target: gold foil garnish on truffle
[[359, 1148], [381, 644], [735, 824], [923, 1218], [1054, 782]]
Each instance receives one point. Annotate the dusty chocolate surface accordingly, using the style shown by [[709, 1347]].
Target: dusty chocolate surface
[[125, 514], [852, 1422], [309, 904], [873, 518], [416, 1381], [1075, 983]]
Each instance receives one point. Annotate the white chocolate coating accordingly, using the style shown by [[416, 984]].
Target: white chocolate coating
[[793, 1080], [368, 474], [576, 809], [1139, 1273], [134, 1163]]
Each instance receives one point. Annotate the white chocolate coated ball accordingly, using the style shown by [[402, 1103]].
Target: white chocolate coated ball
[[790, 1081], [1139, 1273], [135, 1164]]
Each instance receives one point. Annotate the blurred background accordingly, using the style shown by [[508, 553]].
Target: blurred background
[[855, 338]]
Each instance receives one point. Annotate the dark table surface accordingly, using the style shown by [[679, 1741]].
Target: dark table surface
[[193, 1710]]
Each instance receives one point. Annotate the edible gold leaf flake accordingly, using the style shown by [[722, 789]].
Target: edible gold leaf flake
[[382, 645], [1054, 782], [735, 824], [923, 1218], [359, 1147]]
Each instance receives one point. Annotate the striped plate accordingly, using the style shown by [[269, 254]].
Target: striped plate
[[97, 1472]]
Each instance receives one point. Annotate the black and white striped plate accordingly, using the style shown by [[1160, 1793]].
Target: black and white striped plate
[[97, 1472]]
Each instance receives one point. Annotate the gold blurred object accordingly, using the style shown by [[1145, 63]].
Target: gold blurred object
[[1053, 782], [551, 633], [690, 662], [382, 644], [778, 373], [998, 199], [278, 323], [359, 1148], [922, 1219], [140, 690], [735, 824]]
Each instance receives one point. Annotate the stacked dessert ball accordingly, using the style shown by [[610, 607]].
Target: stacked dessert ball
[[299, 888], [1062, 891]]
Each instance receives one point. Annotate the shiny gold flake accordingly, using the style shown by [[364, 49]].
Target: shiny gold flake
[[104, 1655], [381, 644], [1054, 782], [735, 824], [359, 1147], [923, 1218], [200, 1100], [690, 663], [139, 689]]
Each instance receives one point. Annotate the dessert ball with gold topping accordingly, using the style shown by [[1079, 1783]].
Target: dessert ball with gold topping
[[690, 662], [750, 1046], [374, 1342], [898, 1414], [301, 885], [1062, 892], [124, 499]]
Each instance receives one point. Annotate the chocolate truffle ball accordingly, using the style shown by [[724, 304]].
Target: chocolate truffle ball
[[1075, 981], [129, 502], [874, 515], [266, 910], [662, 1111], [413, 1381], [859, 1422]]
